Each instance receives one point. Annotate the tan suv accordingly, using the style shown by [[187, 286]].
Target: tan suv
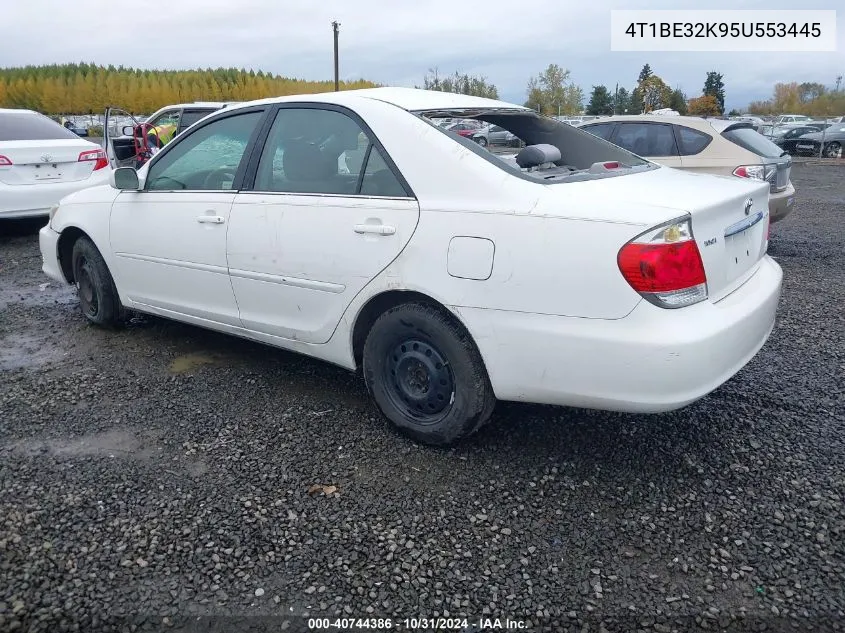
[[713, 146]]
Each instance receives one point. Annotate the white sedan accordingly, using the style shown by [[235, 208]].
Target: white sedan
[[41, 162], [573, 273]]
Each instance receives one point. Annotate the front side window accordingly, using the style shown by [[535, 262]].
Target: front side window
[[310, 150], [170, 117], [207, 159], [647, 139]]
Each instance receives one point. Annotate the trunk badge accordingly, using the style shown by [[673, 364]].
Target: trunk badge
[[46, 158], [748, 204]]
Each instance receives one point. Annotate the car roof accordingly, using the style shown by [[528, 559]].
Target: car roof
[[211, 105], [694, 122], [16, 111], [411, 99]]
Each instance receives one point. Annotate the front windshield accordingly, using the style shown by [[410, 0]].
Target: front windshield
[[567, 153]]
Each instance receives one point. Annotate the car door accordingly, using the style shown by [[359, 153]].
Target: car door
[[654, 141], [120, 147], [169, 239], [309, 236]]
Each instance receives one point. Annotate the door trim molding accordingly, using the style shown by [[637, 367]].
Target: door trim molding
[[296, 282], [209, 268]]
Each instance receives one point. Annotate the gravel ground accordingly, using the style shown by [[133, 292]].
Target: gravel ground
[[161, 473]]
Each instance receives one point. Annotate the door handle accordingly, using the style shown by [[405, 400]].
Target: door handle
[[376, 229], [210, 219]]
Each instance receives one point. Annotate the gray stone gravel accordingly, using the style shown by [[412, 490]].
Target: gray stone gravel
[[160, 473]]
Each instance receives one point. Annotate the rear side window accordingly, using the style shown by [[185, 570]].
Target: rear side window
[[31, 126], [692, 141], [189, 117], [602, 130], [378, 179], [647, 139], [754, 142]]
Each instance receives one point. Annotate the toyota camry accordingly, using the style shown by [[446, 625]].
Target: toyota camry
[[567, 272]]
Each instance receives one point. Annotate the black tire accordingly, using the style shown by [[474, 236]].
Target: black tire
[[833, 149], [98, 298], [482, 141], [426, 375]]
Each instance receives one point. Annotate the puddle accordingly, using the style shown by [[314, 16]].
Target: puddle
[[18, 351], [113, 443], [190, 362]]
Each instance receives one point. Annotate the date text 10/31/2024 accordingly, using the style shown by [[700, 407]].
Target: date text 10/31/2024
[[417, 624]]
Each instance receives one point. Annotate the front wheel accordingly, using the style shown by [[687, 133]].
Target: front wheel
[[482, 141], [98, 296], [833, 150], [426, 375]]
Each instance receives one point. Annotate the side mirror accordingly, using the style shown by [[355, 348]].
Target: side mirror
[[125, 179], [128, 130]]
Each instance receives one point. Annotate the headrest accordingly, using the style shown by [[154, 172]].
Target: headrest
[[303, 161], [533, 155]]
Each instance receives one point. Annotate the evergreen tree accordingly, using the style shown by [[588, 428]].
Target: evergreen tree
[[715, 87], [601, 102]]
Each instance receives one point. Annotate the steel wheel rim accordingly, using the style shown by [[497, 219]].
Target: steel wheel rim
[[418, 380]]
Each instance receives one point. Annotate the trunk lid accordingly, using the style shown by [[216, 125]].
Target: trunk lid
[[732, 235], [48, 161]]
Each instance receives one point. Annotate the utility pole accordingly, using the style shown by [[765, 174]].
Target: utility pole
[[615, 98], [336, 67], [838, 82]]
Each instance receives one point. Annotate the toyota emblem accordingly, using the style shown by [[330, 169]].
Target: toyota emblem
[[46, 158], [748, 204]]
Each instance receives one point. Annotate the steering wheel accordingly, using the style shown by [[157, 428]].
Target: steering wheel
[[215, 178]]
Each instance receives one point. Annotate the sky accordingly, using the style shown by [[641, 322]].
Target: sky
[[396, 43]]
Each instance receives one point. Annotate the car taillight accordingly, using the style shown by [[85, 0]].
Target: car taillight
[[97, 155], [5, 162], [756, 172], [664, 265]]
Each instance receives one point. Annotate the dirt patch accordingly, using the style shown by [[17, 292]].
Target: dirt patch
[[25, 350], [188, 363], [125, 443]]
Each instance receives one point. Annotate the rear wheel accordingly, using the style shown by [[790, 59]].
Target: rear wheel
[[482, 141], [98, 298], [426, 375]]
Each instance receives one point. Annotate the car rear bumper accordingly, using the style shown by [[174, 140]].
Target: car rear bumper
[[650, 361], [27, 201], [781, 203], [48, 241]]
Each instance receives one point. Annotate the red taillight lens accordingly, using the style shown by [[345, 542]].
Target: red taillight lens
[[97, 155], [5, 162], [664, 265]]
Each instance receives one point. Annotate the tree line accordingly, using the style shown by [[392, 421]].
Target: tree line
[[553, 92], [88, 88], [809, 98]]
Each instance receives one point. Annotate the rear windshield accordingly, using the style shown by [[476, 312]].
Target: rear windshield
[[753, 141], [500, 136], [30, 126]]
